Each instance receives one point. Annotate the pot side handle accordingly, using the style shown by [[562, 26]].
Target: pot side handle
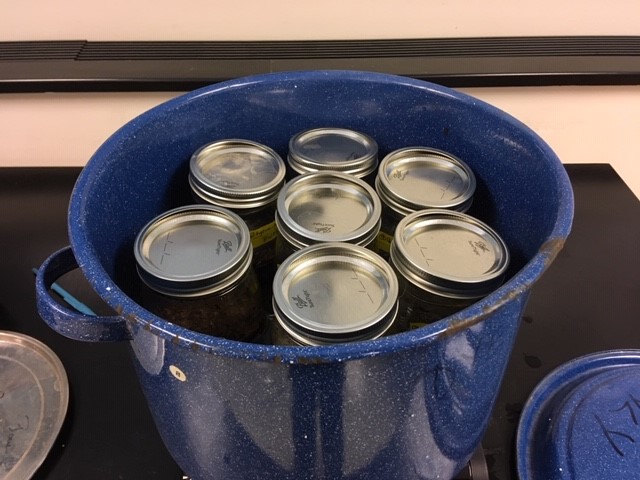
[[67, 322]]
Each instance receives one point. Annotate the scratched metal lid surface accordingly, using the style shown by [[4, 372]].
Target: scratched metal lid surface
[[34, 394], [582, 422], [236, 173]]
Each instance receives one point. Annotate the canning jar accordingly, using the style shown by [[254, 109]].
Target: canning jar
[[326, 206], [333, 293], [195, 263], [338, 149], [418, 178], [245, 177], [445, 261]]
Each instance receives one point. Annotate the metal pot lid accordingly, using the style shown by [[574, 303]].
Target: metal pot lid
[[415, 178], [582, 421], [333, 293], [328, 207], [193, 250], [34, 394], [236, 173], [449, 253], [337, 149]]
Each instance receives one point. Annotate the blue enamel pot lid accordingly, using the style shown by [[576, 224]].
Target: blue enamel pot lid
[[582, 422]]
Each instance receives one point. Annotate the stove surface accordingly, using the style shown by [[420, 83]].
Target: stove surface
[[587, 301]]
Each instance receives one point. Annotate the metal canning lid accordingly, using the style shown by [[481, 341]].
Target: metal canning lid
[[449, 253], [337, 149], [335, 292], [328, 207], [236, 173], [416, 178], [193, 250], [34, 396]]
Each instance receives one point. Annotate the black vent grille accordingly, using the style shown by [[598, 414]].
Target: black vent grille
[[30, 51], [79, 65], [439, 47], [455, 47]]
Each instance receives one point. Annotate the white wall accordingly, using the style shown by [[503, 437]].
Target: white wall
[[582, 124], [307, 19]]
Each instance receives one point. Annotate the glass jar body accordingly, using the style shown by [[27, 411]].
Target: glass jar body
[[279, 336], [284, 248], [235, 313], [263, 233], [389, 221], [369, 178], [418, 307]]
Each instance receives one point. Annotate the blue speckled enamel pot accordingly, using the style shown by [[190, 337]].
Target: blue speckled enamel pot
[[409, 406]]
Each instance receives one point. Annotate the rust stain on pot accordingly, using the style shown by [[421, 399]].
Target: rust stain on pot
[[131, 318], [552, 247], [195, 347], [460, 325], [310, 360]]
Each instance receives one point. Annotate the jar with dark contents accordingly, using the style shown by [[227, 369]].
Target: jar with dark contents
[[326, 207], [244, 177], [195, 263], [334, 293], [338, 149], [445, 261], [418, 178]]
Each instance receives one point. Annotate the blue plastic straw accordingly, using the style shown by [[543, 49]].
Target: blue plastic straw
[[70, 299]]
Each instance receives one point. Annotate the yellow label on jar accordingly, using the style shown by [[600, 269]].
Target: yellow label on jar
[[383, 242], [264, 234]]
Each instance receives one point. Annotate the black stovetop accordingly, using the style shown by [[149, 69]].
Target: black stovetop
[[588, 301]]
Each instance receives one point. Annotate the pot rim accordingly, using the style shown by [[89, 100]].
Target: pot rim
[[515, 286]]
